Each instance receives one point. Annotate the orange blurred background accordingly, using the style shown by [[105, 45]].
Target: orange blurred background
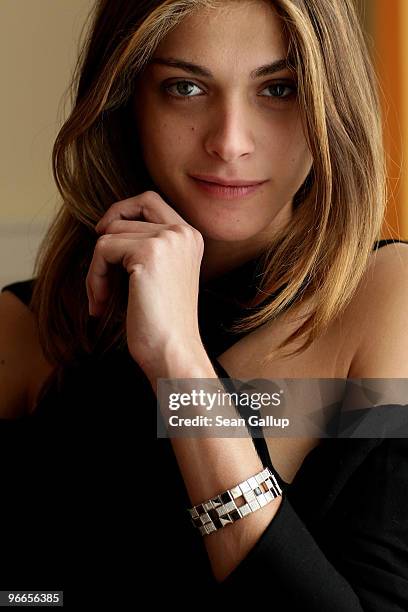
[[386, 24]]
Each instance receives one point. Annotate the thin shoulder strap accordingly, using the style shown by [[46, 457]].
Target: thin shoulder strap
[[380, 243], [258, 440]]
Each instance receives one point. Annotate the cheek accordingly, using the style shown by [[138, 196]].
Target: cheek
[[164, 142], [299, 156], [166, 152], [290, 156], [301, 163], [286, 131]]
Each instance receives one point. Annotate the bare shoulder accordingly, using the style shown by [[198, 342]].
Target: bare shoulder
[[21, 357], [379, 316]]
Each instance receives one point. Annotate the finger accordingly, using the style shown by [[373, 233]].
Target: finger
[[111, 250], [131, 235], [148, 205], [119, 227]]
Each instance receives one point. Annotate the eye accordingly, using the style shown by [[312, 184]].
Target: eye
[[279, 89], [182, 87]]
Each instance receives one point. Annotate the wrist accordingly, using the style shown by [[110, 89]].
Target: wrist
[[176, 360]]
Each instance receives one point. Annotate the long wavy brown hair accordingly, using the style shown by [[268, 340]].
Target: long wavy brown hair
[[337, 213]]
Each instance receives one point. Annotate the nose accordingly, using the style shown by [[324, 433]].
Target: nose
[[229, 136]]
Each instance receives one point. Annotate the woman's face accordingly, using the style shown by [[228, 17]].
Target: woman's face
[[234, 125]]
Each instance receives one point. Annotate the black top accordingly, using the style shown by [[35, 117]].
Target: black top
[[94, 503]]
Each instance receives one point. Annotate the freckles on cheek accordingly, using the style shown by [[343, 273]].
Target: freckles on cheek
[[161, 136], [167, 138], [298, 168], [304, 159]]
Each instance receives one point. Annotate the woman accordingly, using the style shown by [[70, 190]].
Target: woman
[[163, 254]]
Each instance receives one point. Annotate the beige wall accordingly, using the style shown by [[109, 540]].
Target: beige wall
[[38, 49]]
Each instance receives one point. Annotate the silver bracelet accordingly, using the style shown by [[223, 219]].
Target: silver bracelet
[[228, 507]]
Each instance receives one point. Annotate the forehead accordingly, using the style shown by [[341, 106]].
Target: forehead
[[240, 33]]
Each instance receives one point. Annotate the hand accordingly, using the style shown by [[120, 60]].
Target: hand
[[162, 256]]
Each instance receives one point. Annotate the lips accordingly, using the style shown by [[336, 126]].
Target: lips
[[227, 182], [226, 192]]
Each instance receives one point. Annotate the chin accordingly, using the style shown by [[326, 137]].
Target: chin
[[225, 232]]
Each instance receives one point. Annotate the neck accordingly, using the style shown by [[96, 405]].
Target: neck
[[221, 257]]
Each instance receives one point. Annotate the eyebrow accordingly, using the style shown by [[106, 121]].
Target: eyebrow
[[202, 71]]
